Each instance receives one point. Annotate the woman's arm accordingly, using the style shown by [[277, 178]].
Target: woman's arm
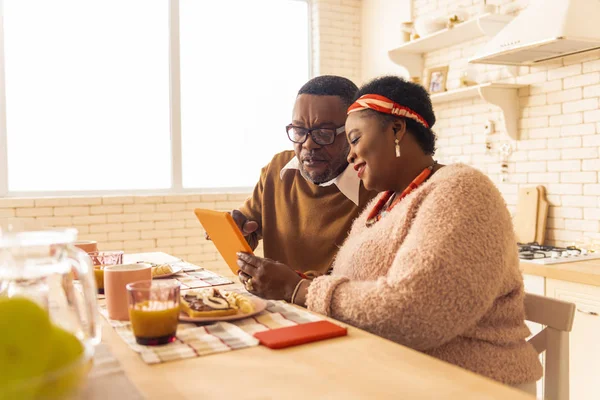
[[300, 298], [446, 275]]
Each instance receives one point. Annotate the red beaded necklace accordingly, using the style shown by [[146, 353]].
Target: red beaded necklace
[[377, 212]]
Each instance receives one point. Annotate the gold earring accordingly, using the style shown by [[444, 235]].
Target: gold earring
[[397, 148]]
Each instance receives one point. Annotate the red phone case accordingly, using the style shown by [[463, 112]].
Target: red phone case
[[300, 334]]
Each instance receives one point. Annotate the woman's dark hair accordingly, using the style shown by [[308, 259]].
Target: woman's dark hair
[[410, 95]]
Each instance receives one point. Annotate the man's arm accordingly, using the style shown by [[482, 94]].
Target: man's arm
[[249, 216]]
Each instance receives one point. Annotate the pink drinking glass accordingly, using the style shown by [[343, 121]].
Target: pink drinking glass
[[100, 259]]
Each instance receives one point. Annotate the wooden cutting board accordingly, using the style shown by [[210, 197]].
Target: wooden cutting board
[[542, 212], [527, 215]]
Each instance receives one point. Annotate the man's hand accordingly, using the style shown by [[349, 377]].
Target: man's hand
[[247, 227], [269, 279]]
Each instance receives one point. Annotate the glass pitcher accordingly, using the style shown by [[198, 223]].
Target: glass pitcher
[[37, 270]]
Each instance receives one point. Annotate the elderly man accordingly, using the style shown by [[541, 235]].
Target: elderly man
[[306, 199]]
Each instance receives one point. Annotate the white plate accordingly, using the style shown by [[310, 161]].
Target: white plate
[[176, 270], [259, 306]]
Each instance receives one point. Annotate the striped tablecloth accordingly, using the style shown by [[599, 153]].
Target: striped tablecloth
[[195, 340]]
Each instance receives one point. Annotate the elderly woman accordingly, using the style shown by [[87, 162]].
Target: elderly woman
[[432, 263]]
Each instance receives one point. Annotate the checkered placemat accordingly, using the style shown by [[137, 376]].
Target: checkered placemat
[[195, 340], [193, 276]]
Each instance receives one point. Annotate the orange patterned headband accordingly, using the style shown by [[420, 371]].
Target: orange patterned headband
[[386, 106]]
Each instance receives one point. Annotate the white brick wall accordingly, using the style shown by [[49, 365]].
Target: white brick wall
[[559, 127], [133, 224], [336, 38]]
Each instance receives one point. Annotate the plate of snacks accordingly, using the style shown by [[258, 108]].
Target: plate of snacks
[[204, 305], [160, 271]]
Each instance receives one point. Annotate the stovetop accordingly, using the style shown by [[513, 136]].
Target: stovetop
[[539, 254]]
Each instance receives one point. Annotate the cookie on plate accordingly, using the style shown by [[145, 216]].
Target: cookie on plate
[[206, 303]]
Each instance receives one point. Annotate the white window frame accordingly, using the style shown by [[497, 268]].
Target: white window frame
[[175, 122]]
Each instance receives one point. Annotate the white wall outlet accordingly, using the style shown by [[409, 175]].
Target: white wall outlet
[[488, 127]]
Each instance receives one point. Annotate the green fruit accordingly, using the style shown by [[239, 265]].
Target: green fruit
[[64, 370], [25, 344]]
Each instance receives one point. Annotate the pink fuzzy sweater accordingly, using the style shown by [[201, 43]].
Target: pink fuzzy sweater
[[440, 274]]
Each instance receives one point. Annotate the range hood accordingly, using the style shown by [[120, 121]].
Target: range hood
[[545, 30]]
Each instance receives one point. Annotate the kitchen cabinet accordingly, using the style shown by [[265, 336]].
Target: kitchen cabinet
[[584, 341], [534, 284]]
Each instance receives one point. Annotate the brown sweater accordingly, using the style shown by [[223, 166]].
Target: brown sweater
[[440, 273], [301, 224]]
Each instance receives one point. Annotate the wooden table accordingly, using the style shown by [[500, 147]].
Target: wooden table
[[359, 366]]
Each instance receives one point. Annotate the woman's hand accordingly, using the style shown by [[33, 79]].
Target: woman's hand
[[267, 278]]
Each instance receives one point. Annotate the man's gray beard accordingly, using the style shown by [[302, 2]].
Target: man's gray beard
[[325, 177]]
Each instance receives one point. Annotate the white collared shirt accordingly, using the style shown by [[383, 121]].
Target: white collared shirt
[[347, 182]]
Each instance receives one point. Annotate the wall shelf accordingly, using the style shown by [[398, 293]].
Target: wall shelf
[[410, 54], [503, 95]]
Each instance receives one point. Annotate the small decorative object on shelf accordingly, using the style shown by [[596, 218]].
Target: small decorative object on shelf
[[436, 79], [453, 20], [488, 8], [407, 31], [457, 16], [465, 81], [469, 77], [429, 24]]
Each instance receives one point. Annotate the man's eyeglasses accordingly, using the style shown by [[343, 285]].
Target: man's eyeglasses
[[321, 136]]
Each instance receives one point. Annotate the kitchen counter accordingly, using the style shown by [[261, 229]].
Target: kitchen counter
[[585, 272]]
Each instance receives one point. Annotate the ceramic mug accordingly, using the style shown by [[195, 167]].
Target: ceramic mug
[[89, 246], [116, 277]]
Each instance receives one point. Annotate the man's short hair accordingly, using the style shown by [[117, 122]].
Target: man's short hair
[[331, 85]]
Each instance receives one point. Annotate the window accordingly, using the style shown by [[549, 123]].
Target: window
[[88, 102], [238, 89], [87, 94]]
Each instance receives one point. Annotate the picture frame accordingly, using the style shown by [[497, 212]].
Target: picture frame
[[436, 79]]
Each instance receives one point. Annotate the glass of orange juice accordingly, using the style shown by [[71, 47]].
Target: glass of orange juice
[[100, 259], [154, 311]]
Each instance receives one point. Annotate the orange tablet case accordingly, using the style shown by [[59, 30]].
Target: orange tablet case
[[300, 334], [225, 234]]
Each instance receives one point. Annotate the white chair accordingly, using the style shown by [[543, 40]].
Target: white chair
[[557, 317]]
